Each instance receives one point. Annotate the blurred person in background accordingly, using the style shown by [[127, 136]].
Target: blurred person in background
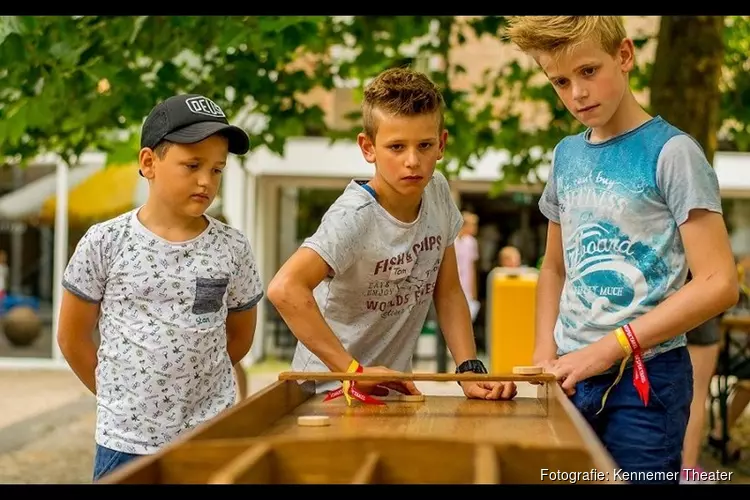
[[467, 255], [509, 256], [741, 390], [3, 276], [703, 346]]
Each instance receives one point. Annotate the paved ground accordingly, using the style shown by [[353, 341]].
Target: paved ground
[[46, 433]]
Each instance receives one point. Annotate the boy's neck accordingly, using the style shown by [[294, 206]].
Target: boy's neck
[[628, 116], [405, 209], [167, 224]]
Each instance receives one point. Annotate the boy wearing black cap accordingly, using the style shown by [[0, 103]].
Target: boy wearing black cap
[[173, 290]]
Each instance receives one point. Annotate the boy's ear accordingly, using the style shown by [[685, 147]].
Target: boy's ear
[[367, 147], [441, 145], [146, 162], [626, 54]]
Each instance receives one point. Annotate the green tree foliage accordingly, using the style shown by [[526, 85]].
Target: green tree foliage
[[71, 84], [76, 83]]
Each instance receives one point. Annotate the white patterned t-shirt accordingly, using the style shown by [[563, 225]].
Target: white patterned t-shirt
[[384, 274], [163, 365]]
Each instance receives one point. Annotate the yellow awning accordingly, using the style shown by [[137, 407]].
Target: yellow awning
[[107, 193]]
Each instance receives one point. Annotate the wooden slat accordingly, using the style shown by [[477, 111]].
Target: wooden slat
[[425, 377], [486, 465], [368, 471], [338, 460], [196, 462], [254, 466], [523, 463], [255, 414]]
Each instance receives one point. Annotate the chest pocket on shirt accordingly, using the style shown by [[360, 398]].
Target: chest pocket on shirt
[[209, 294]]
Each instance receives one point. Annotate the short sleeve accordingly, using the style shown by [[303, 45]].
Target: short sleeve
[[548, 202], [245, 287], [85, 275], [686, 180], [336, 240]]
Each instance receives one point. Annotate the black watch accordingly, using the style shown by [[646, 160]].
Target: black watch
[[471, 365]]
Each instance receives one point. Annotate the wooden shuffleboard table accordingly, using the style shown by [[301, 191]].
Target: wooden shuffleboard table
[[442, 439]]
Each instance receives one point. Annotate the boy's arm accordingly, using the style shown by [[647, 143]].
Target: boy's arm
[[291, 292], [330, 251], [551, 277], [691, 191], [713, 289], [83, 288], [76, 322], [453, 310], [240, 333], [245, 292], [548, 290]]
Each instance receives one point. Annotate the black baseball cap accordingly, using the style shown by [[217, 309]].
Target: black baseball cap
[[190, 118]]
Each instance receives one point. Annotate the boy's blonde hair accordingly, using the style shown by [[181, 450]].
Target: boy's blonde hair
[[400, 91], [552, 34]]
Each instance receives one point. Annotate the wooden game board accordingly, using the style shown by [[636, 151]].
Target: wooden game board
[[443, 439]]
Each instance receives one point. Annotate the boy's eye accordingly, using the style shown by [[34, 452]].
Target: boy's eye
[[589, 71]]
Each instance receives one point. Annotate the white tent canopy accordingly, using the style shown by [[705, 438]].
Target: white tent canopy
[[30, 198], [317, 157]]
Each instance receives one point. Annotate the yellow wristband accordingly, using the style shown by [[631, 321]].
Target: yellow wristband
[[623, 340], [353, 367]]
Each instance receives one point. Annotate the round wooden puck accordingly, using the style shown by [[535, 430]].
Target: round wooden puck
[[313, 421], [528, 370], [411, 398]]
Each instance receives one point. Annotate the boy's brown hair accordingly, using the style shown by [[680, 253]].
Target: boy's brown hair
[[551, 34], [400, 91]]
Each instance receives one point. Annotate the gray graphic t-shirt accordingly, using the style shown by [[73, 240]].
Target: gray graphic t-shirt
[[163, 365], [620, 204], [383, 275]]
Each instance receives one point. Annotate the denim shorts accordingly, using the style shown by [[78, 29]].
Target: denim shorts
[[643, 440], [107, 460]]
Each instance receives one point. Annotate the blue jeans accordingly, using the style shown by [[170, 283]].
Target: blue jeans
[[643, 439], [107, 460]]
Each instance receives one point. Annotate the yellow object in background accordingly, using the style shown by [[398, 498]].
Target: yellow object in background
[[511, 305], [108, 193]]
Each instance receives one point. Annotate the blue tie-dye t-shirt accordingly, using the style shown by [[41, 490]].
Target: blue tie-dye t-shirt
[[620, 203]]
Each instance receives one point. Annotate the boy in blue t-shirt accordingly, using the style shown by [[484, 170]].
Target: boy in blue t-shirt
[[632, 204]]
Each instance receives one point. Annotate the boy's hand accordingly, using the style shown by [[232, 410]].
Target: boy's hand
[[489, 390], [589, 361], [381, 388], [546, 365]]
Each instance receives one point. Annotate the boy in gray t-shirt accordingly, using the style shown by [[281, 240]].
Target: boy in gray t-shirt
[[357, 293], [173, 292]]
